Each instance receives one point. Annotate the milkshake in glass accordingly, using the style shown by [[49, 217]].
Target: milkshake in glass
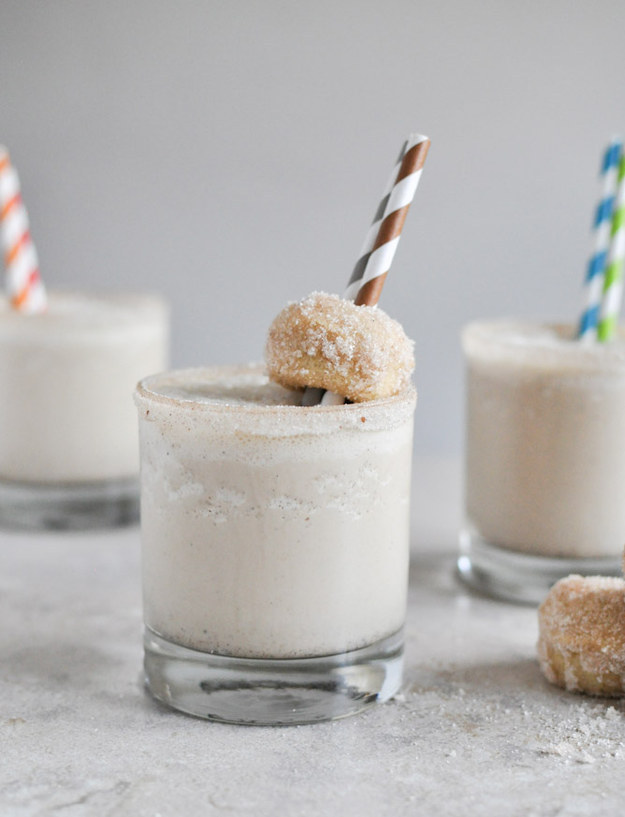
[[545, 464], [275, 546], [69, 453]]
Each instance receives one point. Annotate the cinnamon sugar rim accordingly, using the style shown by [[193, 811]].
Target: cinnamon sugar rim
[[378, 414]]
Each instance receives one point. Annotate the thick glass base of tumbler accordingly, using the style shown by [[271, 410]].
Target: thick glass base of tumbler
[[520, 577], [69, 506], [264, 692]]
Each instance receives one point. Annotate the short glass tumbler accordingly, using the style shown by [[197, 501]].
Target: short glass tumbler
[[275, 547], [545, 464], [69, 453]]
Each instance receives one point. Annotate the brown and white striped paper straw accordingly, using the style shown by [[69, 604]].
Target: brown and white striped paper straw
[[378, 250], [376, 256]]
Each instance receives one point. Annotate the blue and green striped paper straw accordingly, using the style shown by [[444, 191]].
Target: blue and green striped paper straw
[[613, 281], [602, 231]]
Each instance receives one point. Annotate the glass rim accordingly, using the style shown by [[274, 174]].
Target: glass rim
[[369, 415], [539, 345]]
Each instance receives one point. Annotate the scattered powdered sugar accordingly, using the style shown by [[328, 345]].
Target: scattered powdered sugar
[[591, 732], [502, 712]]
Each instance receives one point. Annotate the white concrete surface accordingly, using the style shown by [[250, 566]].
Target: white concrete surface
[[475, 731]]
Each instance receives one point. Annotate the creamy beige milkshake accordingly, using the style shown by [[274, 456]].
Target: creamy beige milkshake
[[545, 471], [272, 531], [66, 379]]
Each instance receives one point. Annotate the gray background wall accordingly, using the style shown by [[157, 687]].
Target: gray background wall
[[231, 154]]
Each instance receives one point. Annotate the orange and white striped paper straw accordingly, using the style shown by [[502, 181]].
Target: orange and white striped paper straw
[[24, 287]]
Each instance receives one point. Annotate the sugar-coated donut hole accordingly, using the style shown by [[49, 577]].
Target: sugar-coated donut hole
[[581, 644], [326, 342]]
